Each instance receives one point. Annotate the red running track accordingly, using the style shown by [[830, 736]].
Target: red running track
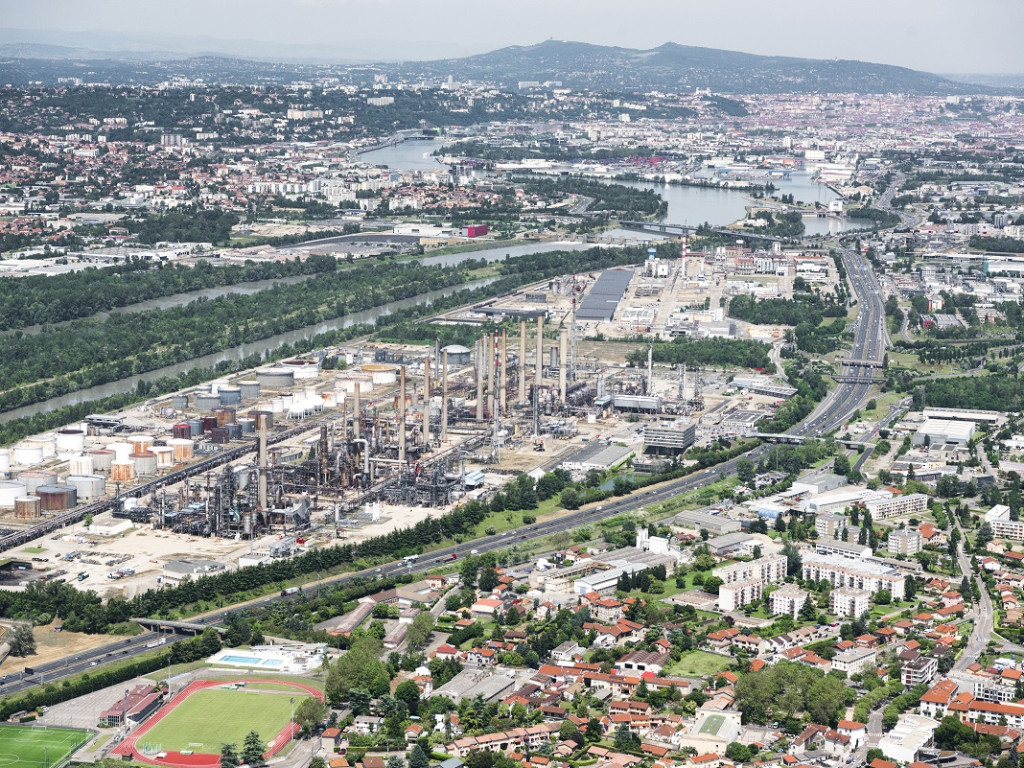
[[203, 760]]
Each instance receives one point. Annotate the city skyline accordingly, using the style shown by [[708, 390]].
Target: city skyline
[[945, 37]]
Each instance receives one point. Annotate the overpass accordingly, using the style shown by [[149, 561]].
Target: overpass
[[785, 437], [681, 229], [178, 626]]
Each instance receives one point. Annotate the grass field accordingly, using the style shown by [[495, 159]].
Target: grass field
[[212, 717], [22, 746], [699, 664], [712, 724]]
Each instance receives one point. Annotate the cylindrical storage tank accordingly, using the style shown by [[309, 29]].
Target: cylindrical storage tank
[[286, 399], [219, 435], [380, 373], [122, 470], [5, 462], [225, 416], [81, 465], [302, 368], [263, 419], [164, 456], [53, 498], [183, 448], [230, 395], [234, 431], [209, 422], [248, 426], [27, 507], [309, 391], [250, 389], [277, 405], [70, 441], [121, 450], [179, 402], [27, 455], [182, 431], [88, 487], [46, 443], [34, 478], [275, 378], [140, 443], [9, 491], [145, 463], [352, 382], [207, 402], [330, 399], [196, 427], [101, 459]]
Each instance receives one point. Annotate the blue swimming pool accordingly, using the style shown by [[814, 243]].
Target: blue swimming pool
[[250, 661]]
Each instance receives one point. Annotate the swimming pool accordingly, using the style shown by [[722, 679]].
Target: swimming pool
[[249, 661]]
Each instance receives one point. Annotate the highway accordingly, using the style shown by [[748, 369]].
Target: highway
[[849, 395]]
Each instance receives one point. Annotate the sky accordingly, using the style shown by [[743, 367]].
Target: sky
[[942, 36]]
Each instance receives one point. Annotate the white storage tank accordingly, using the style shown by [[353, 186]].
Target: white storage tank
[[122, 470], [140, 443], [70, 441], [207, 402], [121, 450], [101, 459], [81, 465], [354, 381], [275, 378], [250, 389], [330, 399], [33, 478], [380, 374], [46, 443], [89, 487], [145, 463], [302, 368], [164, 456], [9, 491], [183, 448], [27, 455], [5, 462]]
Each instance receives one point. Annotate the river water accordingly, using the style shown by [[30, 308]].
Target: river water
[[686, 205], [241, 351]]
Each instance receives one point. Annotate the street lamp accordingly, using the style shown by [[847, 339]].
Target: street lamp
[[291, 731]]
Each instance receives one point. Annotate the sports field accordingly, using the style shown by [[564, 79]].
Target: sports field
[[23, 746], [212, 717], [712, 724]]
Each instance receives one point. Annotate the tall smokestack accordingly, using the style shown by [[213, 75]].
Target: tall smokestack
[[444, 398], [503, 370], [490, 371], [357, 413], [401, 418], [480, 362], [650, 370], [539, 375], [522, 362], [426, 401], [261, 461], [563, 362]]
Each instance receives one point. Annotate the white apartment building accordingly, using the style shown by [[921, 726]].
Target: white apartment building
[[847, 601], [831, 526], [788, 599], [867, 574], [745, 582], [920, 670], [904, 542], [1002, 526], [908, 504], [854, 660], [733, 596]]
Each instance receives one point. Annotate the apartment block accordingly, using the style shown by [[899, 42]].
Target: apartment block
[[867, 574], [1002, 526], [745, 582], [904, 542], [847, 601], [920, 670], [854, 660], [788, 599], [898, 505]]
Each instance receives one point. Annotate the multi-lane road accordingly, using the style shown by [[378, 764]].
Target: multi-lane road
[[833, 411]]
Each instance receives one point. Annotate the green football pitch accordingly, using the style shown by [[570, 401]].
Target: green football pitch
[[712, 724], [212, 717], [23, 746]]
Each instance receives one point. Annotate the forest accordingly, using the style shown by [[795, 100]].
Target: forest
[[186, 225], [997, 392], [741, 353]]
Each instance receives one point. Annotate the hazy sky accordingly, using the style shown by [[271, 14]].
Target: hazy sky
[[934, 35]]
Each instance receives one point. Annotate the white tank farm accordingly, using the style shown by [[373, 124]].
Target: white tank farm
[[302, 407], [183, 448], [164, 456], [89, 487], [27, 455], [5, 461], [122, 470], [80, 465], [121, 450], [101, 460], [9, 491], [33, 478], [145, 463], [70, 441]]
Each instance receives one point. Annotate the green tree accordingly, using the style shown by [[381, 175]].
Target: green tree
[[408, 692], [420, 630], [883, 597], [488, 579], [418, 758], [738, 752], [309, 713], [807, 611], [22, 642], [228, 756], [253, 749], [745, 470]]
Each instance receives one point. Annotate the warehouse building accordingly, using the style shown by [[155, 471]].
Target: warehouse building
[[943, 432], [604, 296]]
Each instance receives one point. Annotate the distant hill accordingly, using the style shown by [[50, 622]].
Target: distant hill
[[679, 67]]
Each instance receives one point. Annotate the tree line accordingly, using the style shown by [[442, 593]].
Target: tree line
[[741, 353]]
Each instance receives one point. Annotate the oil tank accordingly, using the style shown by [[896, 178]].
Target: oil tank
[[164, 456], [70, 441], [380, 373], [302, 368], [207, 402], [27, 507], [46, 443], [275, 378], [219, 435], [353, 381], [101, 459], [263, 419], [330, 398], [81, 465], [121, 450], [28, 455], [179, 402], [9, 491], [140, 443], [88, 487], [182, 431], [122, 470], [53, 498], [145, 463], [196, 425], [234, 431], [183, 448], [5, 462], [224, 416], [230, 395], [209, 423], [250, 389], [248, 426], [33, 478]]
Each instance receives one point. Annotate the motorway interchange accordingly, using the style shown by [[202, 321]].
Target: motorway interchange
[[870, 341]]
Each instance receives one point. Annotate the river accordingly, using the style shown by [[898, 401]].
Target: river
[[686, 205], [239, 352]]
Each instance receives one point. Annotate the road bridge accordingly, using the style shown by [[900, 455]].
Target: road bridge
[[664, 228], [178, 626]]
